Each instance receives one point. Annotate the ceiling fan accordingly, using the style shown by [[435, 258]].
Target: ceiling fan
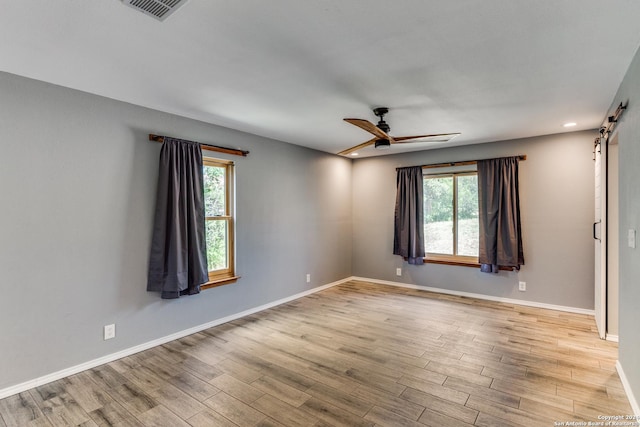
[[382, 138]]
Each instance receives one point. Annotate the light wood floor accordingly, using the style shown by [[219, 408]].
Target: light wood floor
[[356, 354]]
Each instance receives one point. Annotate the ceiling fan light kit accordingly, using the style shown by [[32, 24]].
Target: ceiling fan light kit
[[383, 140], [382, 144]]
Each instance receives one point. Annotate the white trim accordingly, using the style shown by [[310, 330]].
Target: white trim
[[627, 388], [612, 338], [481, 296], [19, 388]]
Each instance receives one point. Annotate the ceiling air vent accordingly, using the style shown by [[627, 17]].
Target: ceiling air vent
[[159, 9]]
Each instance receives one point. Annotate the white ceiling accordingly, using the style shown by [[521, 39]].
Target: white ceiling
[[292, 69]]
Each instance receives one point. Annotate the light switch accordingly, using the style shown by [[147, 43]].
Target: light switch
[[632, 239]]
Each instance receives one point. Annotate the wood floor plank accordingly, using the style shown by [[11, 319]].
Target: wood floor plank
[[160, 416], [106, 376], [145, 378], [286, 376], [508, 413], [208, 418], [333, 415], [592, 410], [435, 419], [238, 370], [200, 369], [165, 369], [424, 374], [193, 386], [283, 412], [472, 388], [388, 356], [61, 410], [114, 414], [236, 388], [234, 410], [20, 409], [326, 375], [87, 393], [488, 361], [534, 408], [177, 401], [389, 401], [132, 398], [521, 389], [526, 381], [376, 380], [486, 420], [345, 400], [270, 422], [616, 393], [597, 377], [280, 390], [461, 372], [440, 391], [386, 418], [441, 406]]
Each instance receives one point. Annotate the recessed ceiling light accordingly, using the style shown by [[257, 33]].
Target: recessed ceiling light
[[569, 125], [354, 154]]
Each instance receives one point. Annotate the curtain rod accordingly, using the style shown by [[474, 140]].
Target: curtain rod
[[465, 162], [208, 147]]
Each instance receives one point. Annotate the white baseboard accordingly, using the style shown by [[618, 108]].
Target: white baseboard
[[612, 338], [627, 389], [19, 388], [480, 296]]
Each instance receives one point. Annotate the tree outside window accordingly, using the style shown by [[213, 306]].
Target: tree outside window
[[451, 216]]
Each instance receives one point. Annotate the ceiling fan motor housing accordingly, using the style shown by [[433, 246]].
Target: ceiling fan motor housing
[[383, 126], [380, 112]]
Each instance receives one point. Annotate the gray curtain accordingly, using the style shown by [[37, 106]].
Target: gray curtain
[[499, 212], [408, 238], [178, 261]]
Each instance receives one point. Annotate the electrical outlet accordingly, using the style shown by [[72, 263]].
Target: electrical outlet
[[109, 331], [308, 278], [398, 272], [632, 238], [522, 286]]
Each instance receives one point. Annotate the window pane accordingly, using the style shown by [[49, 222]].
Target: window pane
[[468, 224], [438, 215], [217, 244], [214, 188]]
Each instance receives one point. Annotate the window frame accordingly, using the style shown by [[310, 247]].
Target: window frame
[[227, 275], [454, 259]]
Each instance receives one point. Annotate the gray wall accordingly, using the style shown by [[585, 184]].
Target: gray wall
[[557, 203], [77, 188], [629, 218]]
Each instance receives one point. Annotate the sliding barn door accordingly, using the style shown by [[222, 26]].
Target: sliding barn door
[[600, 236]]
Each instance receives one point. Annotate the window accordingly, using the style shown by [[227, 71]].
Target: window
[[219, 215], [451, 217]]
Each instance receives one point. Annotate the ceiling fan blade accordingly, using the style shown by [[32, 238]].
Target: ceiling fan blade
[[369, 127], [434, 137], [357, 147]]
